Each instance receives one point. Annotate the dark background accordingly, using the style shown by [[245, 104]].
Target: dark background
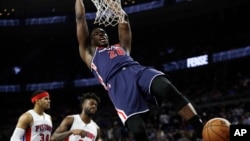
[[48, 53], [175, 31]]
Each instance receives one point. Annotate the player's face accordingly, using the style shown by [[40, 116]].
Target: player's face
[[45, 102], [99, 37], [90, 106]]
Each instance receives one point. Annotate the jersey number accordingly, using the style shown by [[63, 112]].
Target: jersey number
[[45, 137], [114, 53]]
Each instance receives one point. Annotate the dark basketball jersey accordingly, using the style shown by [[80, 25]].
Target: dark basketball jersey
[[127, 82], [108, 61]]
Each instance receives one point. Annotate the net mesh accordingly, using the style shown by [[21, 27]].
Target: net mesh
[[109, 12]]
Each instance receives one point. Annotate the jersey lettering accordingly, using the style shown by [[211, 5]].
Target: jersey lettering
[[88, 135], [43, 127], [115, 52]]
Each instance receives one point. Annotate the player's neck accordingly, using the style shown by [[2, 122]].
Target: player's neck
[[103, 46], [85, 118], [38, 110]]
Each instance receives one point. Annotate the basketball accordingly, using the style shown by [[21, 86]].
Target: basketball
[[216, 129]]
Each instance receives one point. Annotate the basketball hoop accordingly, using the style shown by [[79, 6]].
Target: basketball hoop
[[109, 12]]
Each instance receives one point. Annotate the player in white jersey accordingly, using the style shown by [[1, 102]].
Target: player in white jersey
[[80, 127], [35, 124]]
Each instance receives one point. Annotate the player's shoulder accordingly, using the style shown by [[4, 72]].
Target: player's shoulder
[[71, 117], [25, 117], [28, 113]]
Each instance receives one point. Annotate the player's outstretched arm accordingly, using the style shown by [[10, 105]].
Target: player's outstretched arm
[[82, 32], [125, 34]]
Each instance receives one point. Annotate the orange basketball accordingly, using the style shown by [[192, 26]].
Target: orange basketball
[[216, 129]]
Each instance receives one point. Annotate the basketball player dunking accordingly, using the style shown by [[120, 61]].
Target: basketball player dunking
[[127, 82]]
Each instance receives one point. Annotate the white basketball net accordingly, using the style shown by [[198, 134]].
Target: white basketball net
[[109, 12]]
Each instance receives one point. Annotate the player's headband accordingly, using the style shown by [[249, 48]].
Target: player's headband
[[39, 96]]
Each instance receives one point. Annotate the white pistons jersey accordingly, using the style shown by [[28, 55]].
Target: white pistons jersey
[[41, 128], [91, 129]]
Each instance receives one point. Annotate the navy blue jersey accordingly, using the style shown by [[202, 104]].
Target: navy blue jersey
[[107, 61], [127, 82]]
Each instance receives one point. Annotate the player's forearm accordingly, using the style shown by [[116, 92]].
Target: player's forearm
[[125, 34], [79, 9], [17, 134], [60, 136]]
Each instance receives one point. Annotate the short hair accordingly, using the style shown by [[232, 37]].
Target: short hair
[[89, 95], [37, 92]]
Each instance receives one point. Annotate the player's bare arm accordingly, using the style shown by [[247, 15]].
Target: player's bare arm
[[24, 121], [82, 32], [125, 34], [62, 130], [99, 135]]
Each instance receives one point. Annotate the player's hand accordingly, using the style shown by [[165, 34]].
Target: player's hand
[[79, 132]]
